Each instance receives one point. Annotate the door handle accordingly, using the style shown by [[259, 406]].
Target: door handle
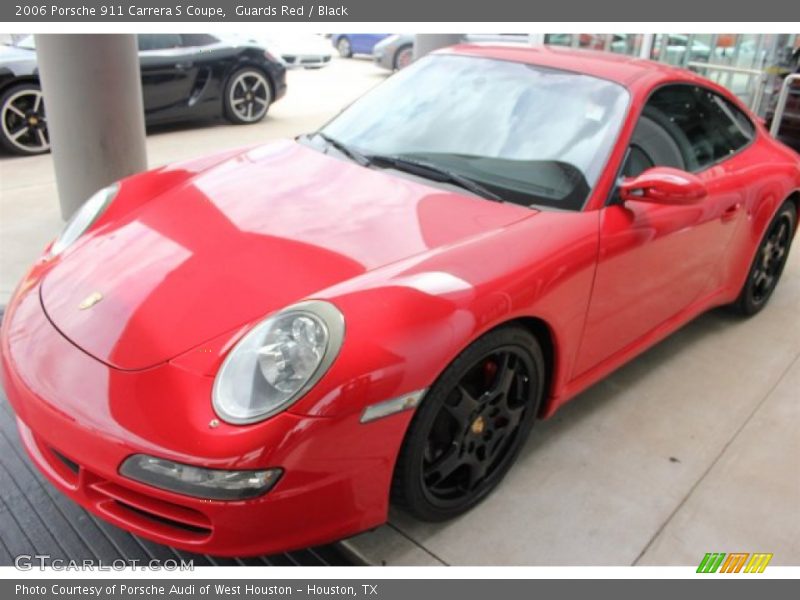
[[729, 214], [182, 66]]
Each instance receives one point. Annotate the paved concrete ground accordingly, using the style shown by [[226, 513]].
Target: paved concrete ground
[[692, 448]]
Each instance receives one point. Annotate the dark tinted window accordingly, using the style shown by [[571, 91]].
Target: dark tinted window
[[696, 123], [198, 39], [638, 161], [742, 120], [159, 41], [658, 141]]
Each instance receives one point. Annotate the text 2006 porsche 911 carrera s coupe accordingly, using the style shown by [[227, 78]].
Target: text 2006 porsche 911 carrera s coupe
[[260, 350]]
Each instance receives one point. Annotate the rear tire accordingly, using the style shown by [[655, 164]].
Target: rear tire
[[248, 95], [471, 424], [768, 262]]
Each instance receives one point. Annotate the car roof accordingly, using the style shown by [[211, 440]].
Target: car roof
[[622, 69]]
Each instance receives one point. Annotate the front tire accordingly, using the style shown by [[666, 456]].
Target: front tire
[[248, 95], [768, 263], [470, 426], [23, 123], [344, 48], [403, 57]]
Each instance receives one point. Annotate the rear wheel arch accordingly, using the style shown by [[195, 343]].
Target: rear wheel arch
[[794, 197], [768, 259]]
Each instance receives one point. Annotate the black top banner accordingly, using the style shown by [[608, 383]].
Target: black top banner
[[443, 11]]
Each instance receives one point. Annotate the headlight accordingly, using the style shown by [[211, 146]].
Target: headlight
[[215, 484], [83, 218], [278, 362]]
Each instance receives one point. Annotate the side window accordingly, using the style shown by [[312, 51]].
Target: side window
[[690, 128], [742, 121], [638, 161], [158, 41], [197, 39]]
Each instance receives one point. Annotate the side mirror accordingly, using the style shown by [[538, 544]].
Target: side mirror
[[663, 185]]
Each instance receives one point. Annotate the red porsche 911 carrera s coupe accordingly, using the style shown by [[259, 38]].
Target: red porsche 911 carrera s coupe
[[263, 349]]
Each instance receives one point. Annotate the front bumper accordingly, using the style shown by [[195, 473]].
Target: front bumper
[[79, 419], [384, 58], [306, 61]]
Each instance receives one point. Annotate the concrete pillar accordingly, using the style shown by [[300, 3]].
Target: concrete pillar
[[425, 43], [93, 101], [647, 45]]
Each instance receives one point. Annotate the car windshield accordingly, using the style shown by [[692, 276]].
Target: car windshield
[[532, 135]]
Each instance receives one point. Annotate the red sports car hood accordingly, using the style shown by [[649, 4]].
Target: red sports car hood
[[239, 240]]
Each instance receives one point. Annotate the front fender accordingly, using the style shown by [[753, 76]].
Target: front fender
[[406, 322]]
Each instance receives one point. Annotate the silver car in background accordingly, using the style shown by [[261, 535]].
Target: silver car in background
[[394, 52], [397, 51]]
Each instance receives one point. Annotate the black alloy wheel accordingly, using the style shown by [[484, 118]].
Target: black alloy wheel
[[769, 261], [470, 426]]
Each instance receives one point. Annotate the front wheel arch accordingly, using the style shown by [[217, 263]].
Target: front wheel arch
[[543, 333], [408, 490]]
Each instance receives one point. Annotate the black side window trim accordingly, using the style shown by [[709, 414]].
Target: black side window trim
[[718, 95]]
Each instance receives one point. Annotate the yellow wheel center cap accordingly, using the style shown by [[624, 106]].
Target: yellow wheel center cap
[[478, 425], [33, 121]]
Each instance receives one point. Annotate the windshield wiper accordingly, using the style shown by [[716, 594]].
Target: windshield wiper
[[345, 149], [435, 172]]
